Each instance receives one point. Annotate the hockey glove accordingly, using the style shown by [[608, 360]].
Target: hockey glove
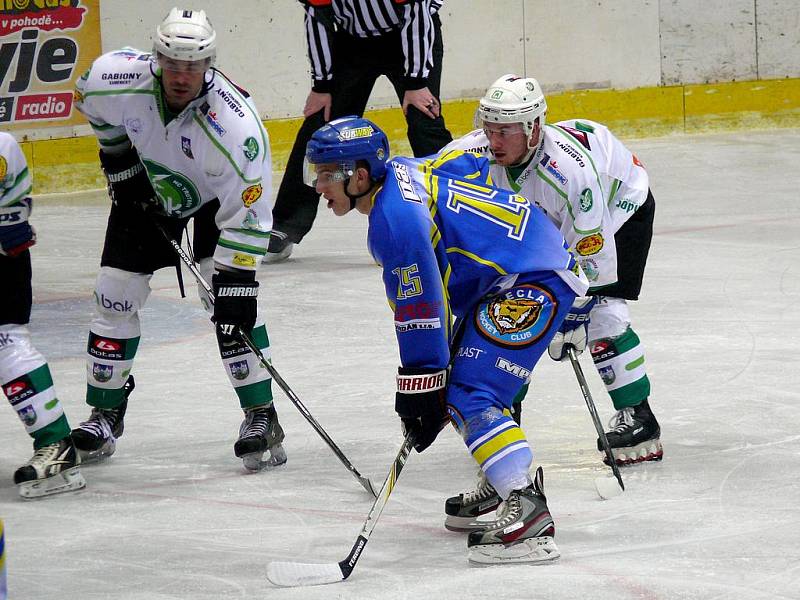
[[235, 303], [128, 183], [420, 403], [573, 330], [16, 234]]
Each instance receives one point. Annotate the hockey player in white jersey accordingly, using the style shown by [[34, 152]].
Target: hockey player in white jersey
[[597, 192], [179, 137], [24, 374]]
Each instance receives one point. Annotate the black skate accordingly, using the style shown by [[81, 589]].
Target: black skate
[[53, 469], [634, 436], [278, 249], [260, 432], [463, 510], [96, 438], [522, 532]]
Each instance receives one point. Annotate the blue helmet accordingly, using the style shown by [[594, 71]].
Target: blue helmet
[[346, 140]]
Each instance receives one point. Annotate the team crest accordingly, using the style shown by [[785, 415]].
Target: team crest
[[102, 373], [27, 414], [186, 146], [586, 200], [607, 374], [518, 317], [239, 369], [250, 149]]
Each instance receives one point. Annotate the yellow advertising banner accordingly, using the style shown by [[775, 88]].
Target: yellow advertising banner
[[45, 46]]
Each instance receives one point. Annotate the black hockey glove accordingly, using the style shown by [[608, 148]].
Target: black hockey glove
[[128, 183], [235, 303], [16, 234], [420, 403]]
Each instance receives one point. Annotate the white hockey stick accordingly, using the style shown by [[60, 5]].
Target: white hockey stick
[[295, 574], [605, 490]]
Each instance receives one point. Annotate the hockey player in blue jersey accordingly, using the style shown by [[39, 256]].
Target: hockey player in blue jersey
[[480, 281]]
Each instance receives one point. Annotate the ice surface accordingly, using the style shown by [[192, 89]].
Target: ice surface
[[173, 515]]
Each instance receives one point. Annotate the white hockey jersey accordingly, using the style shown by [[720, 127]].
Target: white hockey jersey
[[216, 147], [15, 179], [585, 180]]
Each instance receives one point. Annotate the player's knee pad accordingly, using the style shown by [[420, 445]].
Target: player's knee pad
[[26, 380], [206, 268], [17, 354], [609, 318], [119, 295]]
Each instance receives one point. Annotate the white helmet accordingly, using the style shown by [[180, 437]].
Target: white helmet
[[513, 99], [186, 35]]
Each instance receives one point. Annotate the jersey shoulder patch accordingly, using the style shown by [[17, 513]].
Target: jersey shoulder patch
[[119, 70]]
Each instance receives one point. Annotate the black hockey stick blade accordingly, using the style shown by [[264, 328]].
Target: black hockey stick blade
[[587, 396], [297, 574]]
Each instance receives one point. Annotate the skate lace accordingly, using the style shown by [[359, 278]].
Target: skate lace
[[483, 492], [44, 456], [622, 420], [508, 512], [98, 423], [256, 423]]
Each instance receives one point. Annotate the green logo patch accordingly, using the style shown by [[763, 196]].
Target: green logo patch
[[586, 200], [250, 148], [175, 191]]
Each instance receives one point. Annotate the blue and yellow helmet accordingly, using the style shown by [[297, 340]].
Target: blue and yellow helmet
[[343, 142]]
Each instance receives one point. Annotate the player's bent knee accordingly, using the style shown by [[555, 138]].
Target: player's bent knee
[[120, 294], [17, 353]]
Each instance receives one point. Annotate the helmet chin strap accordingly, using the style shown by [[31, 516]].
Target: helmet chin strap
[[354, 198], [529, 154]]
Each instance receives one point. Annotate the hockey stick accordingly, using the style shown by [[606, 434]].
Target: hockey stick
[[602, 489], [295, 574], [247, 340]]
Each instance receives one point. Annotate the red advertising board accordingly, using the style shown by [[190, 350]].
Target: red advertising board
[[45, 46]]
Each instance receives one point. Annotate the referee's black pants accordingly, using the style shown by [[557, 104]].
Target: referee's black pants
[[357, 64]]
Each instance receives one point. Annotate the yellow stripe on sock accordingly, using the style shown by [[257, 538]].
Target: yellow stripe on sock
[[507, 437]]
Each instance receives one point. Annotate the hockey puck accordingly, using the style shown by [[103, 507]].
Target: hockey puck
[[607, 487]]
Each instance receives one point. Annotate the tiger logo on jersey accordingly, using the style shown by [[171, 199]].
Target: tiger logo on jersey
[[518, 317], [512, 316]]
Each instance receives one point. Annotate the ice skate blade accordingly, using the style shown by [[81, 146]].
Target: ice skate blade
[[648, 451], [66, 481], [271, 258], [254, 461], [99, 455], [465, 524], [530, 551]]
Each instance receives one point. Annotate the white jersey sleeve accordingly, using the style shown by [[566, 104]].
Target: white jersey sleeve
[[98, 91], [240, 174], [475, 142], [623, 176], [15, 178]]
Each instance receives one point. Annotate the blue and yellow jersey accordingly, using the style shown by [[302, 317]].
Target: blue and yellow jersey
[[446, 238]]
